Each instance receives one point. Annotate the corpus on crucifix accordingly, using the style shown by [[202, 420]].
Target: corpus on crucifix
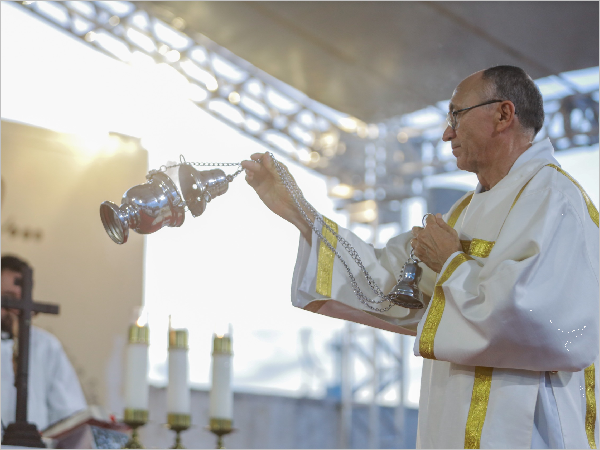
[[21, 432]]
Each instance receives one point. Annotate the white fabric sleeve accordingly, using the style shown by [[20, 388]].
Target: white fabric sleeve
[[532, 304], [384, 265], [65, 396]]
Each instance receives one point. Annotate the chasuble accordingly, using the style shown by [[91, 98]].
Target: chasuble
[[510, 330]]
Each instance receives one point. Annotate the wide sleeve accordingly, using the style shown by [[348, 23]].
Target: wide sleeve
[[64, 394], [321, 283], [532, 303]]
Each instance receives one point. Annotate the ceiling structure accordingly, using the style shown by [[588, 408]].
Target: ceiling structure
[[376, 60], [334, 85]]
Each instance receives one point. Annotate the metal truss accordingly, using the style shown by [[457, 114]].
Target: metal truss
[[383, 163], [219, 82], [385, 363]]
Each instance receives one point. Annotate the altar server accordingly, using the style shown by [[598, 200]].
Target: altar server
[[54, 391]]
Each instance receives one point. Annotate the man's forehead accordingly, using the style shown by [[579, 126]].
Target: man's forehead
[[470, 86]]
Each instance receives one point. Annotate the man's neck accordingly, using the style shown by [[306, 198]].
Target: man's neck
[[490, 176]]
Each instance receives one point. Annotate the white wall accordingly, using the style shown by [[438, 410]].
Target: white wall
[[54, 183]]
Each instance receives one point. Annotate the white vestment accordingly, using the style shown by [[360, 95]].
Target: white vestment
[[54, 391], [510, 330]]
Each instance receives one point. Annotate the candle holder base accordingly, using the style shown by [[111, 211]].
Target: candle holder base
[[178, 423], [220, 427], [135, 418]]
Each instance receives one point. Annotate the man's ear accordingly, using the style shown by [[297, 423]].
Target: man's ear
[[505, 115]]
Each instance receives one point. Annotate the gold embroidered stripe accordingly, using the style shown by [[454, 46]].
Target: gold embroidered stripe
[[326, 259], [459, 209], [590, 205], [481, 248], [438, 302], [478, 408], [590, 409]]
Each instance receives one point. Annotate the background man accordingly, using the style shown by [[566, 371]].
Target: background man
[[509, 335], [54, 389]]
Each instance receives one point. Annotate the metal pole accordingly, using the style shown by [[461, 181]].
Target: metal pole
[[399, 412], [373, 407], [346, 380]]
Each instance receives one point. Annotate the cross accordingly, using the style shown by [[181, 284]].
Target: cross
[[21, 432]]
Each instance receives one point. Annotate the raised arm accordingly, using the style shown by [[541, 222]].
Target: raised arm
[[262, 175]]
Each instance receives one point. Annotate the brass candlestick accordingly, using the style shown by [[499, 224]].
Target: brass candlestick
[[178, 423], [220, 427], [135, 418]]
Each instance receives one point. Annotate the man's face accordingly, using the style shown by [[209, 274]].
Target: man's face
[[470, 140], [10, 288]]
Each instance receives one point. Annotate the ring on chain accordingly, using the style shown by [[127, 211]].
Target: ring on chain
[[425, 219]]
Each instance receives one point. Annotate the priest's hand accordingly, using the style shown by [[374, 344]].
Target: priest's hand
[[435, 243], [262, 175]]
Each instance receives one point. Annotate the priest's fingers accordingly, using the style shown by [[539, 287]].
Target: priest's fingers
[[429, 219], [416, 231]]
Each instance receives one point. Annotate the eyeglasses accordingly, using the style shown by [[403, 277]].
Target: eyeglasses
[[451, 116]]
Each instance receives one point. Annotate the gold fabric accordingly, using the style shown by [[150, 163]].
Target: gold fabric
[[590, 205], [480, 248], [459, 209], [437, 308], [590, 400], [478, 408], [326, 259]]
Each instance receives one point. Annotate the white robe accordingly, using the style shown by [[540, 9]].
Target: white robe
[[54, 391], [516, 309]]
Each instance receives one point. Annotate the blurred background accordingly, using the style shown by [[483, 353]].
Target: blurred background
[[352, 96]]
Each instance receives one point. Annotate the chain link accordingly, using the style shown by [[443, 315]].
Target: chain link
[[302, 203], [182, 160]]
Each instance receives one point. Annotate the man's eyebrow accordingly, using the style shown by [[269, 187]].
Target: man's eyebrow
[[450, 106]]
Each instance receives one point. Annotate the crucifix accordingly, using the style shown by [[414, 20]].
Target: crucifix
[[20, 432]]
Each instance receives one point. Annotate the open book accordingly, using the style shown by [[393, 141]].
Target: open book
[[88, 428]]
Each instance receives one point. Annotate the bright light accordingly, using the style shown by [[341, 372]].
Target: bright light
[[140, 39], [234, 97], [402, 137], [342, 191], [173, 56], [348, 124], [373, 131]]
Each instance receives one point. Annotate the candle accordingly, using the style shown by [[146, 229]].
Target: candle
[[136, 380], [221, 396], [178, 390]]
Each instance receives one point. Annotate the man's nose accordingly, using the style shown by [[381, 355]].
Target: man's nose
[[449, 134]]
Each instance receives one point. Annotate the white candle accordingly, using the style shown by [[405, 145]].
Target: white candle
[[136, 370], [221, 396], [178, 390]]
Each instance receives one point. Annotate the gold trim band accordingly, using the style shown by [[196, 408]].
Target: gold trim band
[[133, 416], [459, 209], [326, 260], [478, 409], [481, 248], [438, 302], [182, 421], [178, 338], [139, 335], [593, 212], [590, 404], [216, 424], [222, 345]]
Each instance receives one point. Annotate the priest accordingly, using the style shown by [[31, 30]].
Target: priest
[[509, 331], [53, 386]]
